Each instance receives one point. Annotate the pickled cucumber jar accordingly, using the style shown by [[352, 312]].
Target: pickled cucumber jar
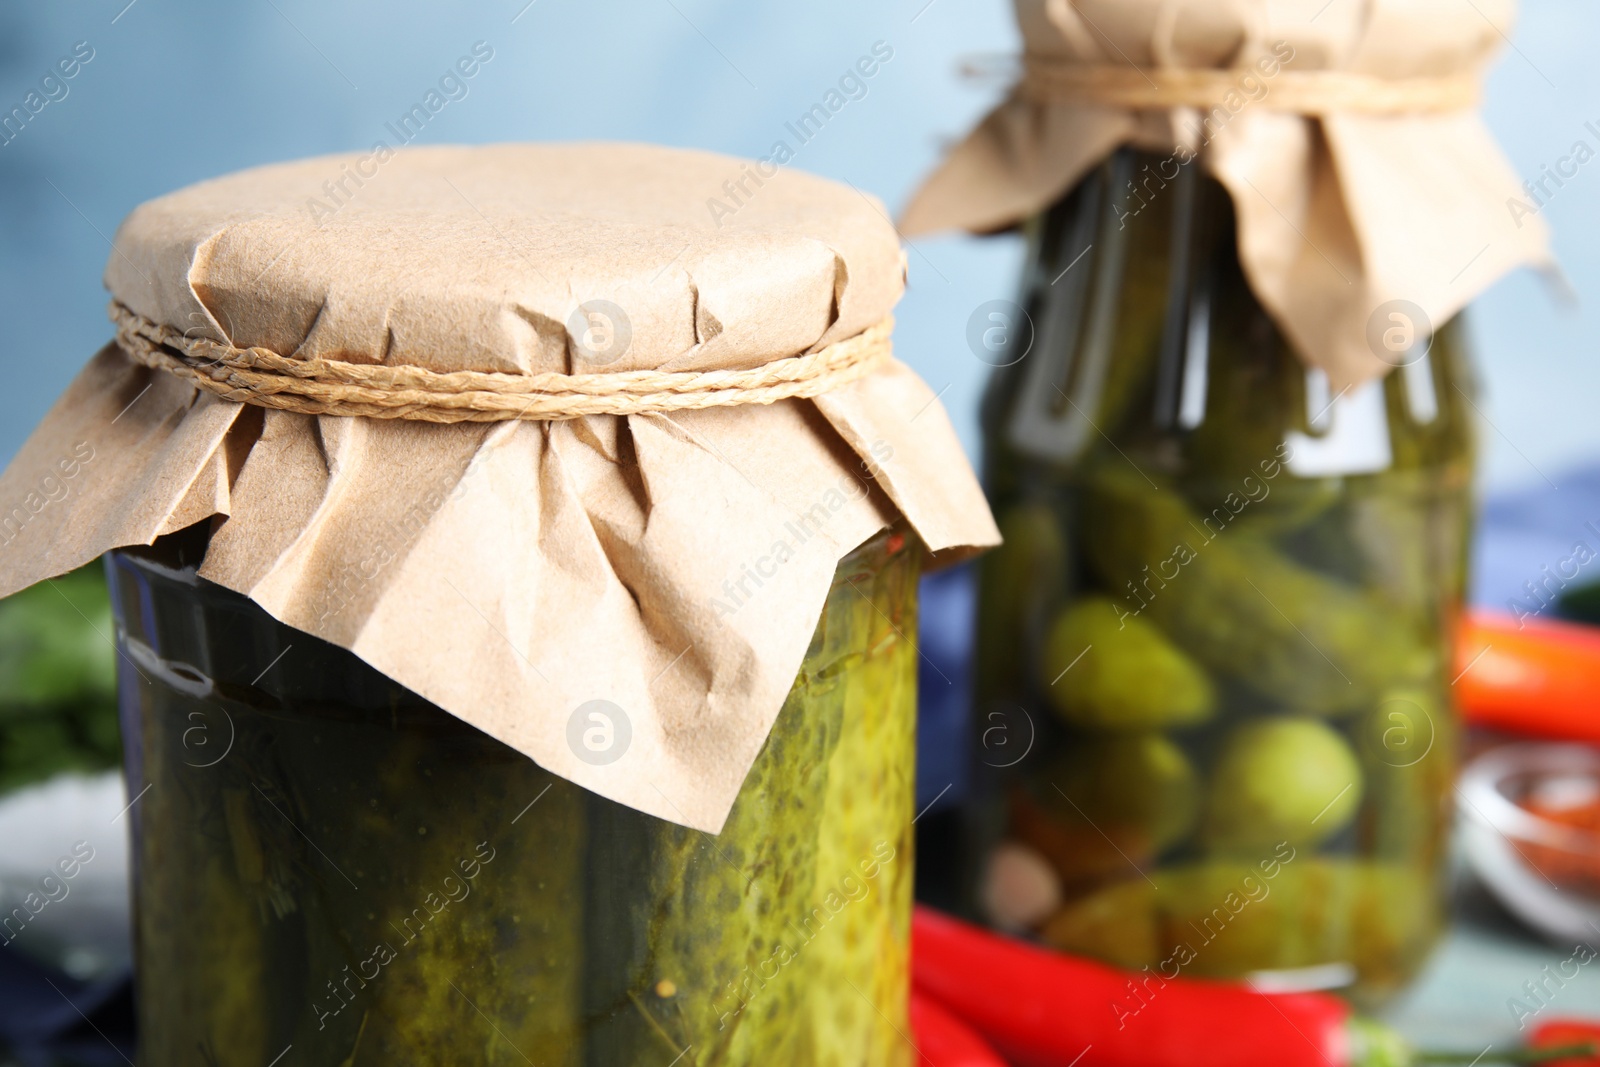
[[325, 861], [1213, 695], [514, 570]]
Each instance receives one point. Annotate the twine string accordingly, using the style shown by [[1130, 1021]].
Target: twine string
[[1050, 79], [331, 387]]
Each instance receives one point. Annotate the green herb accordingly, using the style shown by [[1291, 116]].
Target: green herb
[[58, 692]]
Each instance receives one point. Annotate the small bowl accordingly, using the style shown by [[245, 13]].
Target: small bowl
[[1544, 870]]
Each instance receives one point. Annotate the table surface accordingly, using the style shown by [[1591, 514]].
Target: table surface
[[1462, 999]]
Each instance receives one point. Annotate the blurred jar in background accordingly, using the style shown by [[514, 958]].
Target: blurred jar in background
[[1220, 619], [1228, 444]]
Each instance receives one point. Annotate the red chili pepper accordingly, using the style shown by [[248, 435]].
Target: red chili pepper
[[1533, 677], [1567, 1033], [944, 1040], [1044, 1009]]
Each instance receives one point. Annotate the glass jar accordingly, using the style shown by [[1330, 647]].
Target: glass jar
[[1215, 734], [324, 861]]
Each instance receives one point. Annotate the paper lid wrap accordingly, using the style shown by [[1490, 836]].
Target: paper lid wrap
[[510, 572], [1339, 212]]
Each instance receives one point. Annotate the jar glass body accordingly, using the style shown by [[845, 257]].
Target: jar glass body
[[1215, 734], [324, 860]]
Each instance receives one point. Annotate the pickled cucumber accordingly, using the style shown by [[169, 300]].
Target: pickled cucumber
[[1281, 779], [1141, 784], [1404, 549], [718, 915], [1129, 676], [1117, 924], [197, 923], [1407, 746], [1237, 919], [1296, 637], [1022, 580], [1374, 917], [1108, 806], [346, 914], [485, 928], [1282, 911], [1082, 854], [780, 936], [372, 881], [859, 974]]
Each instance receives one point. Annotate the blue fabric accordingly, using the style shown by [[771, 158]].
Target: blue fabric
[[944, 686], [1532, 532], [48, 1018]]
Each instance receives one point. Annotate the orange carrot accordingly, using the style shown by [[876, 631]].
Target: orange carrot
[[1534, 677]]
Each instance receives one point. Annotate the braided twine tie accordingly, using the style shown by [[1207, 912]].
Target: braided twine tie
[[331, 387], [1049, 79]]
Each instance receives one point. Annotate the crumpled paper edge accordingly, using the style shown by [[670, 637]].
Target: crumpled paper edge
[[148, 454]]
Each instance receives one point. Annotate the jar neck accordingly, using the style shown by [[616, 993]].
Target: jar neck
[[1148, 336]]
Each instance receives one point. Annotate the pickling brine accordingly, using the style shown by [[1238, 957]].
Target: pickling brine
[[1215, 733]]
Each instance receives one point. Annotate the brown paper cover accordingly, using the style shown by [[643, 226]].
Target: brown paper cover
[[1337, 214], [511, 572]]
